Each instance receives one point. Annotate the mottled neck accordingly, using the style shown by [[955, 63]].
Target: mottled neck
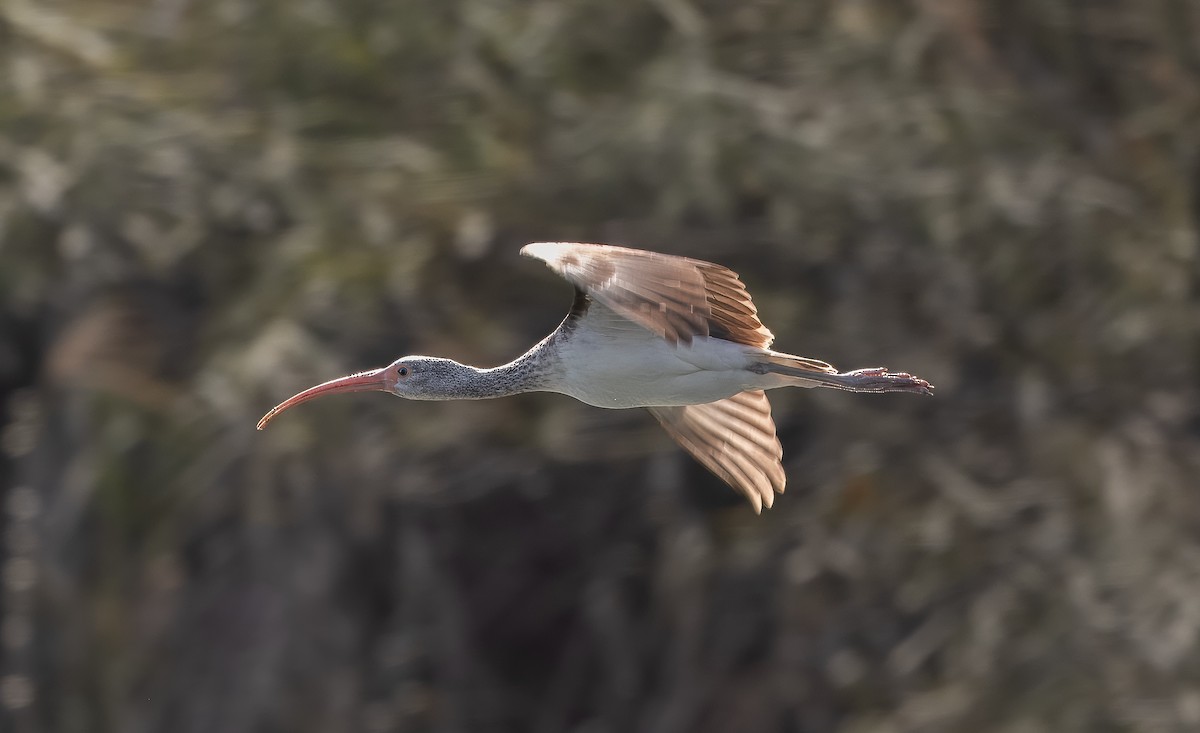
[[527, 373]]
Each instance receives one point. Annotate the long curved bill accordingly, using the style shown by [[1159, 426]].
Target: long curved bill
[[372, 381]]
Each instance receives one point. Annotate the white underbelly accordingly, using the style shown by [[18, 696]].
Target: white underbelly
[[642, 370]]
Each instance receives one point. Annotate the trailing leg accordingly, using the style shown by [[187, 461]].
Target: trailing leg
[[811, 373]]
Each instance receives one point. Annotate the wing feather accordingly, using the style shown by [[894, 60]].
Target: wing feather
[[677, 298], [735, 439]]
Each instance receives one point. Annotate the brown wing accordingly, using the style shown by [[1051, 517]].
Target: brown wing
[[735, 439], [677, 298]]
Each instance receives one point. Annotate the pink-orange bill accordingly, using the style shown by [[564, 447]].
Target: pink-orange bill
[[375, 380]]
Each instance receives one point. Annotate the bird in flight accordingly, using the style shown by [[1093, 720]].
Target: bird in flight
[[677, 336]]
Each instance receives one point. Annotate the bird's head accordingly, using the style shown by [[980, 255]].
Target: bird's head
[[414, 377]]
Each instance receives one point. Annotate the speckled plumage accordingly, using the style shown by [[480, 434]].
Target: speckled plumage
[[678, 336]]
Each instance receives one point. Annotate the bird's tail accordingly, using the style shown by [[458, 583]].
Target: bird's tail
[[804, 372]]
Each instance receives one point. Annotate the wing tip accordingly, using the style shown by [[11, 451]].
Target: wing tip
[[540, 250], [544, 250]]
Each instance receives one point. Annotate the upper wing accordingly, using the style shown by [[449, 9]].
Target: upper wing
[[735, 439], [677, 298]]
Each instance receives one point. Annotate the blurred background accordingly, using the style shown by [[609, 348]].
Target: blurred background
[[205, 207]]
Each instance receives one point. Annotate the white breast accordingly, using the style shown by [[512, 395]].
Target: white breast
[[609, 361]]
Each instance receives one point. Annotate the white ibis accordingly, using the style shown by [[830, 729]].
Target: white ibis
[[675, 335]]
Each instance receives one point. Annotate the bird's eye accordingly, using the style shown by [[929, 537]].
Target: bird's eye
[[403, 371]]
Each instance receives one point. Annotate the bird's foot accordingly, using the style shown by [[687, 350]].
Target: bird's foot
[[879, 379]]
